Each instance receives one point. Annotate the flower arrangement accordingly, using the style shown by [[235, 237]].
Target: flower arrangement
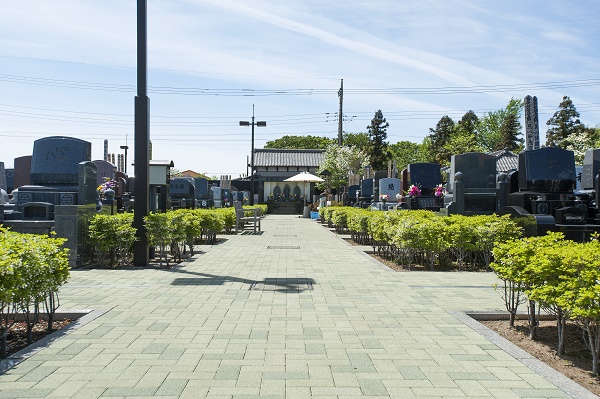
[[384, 198], [108, 184], [413, 191], [439, 191]]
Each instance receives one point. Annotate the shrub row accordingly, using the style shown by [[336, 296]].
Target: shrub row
[[171, 233], [411, 237], [557, 275], [32, 269]]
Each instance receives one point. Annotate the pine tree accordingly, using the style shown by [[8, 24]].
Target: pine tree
[[378, 147], [563, 123]]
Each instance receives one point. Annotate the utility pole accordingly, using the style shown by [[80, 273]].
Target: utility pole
[[340, 115], [141, 255]]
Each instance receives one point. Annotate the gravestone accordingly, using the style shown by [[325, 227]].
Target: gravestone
[[10, 180], [591, 168], [425, 175], [380, 174], [87, 179], [104, 170], [532, 130], [22, 171], [352, 192], [478, 170], [548, 169], [201, 185], [3, 184], [389, 186], [55, 160], [366, 188]]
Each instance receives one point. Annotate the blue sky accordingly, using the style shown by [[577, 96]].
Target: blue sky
[[67, 67]]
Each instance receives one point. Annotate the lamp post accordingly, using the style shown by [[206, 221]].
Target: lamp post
[[246, 123], [125, 148]]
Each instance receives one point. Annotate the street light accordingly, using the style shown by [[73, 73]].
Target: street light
[[246, 123], [124, 147]]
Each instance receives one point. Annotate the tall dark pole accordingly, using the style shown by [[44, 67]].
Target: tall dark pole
[[142, 139], [341, 115], [246, 123]]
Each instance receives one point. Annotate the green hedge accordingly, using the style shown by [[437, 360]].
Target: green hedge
[[172, 234], [411, 237], [32, 269], [558, 275]]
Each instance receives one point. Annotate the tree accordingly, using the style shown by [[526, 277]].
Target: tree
[[439, 137], [341, 160], [563, 123], [359, 140], [300, 143], [579, 143], [501, 129], [462, 142], [378, 147], [404, 152]]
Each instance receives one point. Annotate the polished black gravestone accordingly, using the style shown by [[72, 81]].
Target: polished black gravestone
[[591, 168], [478, 170], [548, 169], [473, 185], [55, 160], [3, 184]]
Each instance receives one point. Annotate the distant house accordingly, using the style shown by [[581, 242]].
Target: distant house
[[273, 166], [190, 173]]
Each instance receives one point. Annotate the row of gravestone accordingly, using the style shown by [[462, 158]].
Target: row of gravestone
[[59, 172], [188, 192], [546, 175]]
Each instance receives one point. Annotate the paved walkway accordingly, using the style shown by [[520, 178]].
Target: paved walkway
[[293, 313]]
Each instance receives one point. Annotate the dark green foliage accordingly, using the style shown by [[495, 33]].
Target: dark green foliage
[[300, 143], [439, 139], [563, 123], [378, 147]]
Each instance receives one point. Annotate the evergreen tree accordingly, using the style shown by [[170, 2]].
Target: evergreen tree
[[439, 138], [378, 147], [509, 132], [563, 123]]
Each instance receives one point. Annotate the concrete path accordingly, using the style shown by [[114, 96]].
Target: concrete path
[[295, 312]]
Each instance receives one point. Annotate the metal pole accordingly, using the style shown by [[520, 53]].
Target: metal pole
[[142, 139], [252, 161]]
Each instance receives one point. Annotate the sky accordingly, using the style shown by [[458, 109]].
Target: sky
[[68, 68]]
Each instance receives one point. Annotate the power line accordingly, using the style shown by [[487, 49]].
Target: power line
[[244, 92]]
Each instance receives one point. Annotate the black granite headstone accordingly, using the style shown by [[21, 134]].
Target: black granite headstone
[[591, 168], [478, 170], [3, 184], [425, 175], [548, 169], [201, 188], [366, 188], [87, 179], [352, 192], [55, 160], [182, 187], [10, 180]]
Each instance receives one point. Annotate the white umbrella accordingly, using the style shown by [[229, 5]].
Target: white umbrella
[[304, 177]]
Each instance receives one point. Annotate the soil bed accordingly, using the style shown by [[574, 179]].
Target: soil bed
[[576, 364], [17, 336]]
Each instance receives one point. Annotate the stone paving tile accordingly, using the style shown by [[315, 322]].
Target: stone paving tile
[[197, 331]]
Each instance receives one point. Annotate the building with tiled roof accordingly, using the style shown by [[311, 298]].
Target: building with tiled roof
[[273, 166], [506, 161]]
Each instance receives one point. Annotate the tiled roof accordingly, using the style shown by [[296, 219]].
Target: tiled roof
[[506, 161], [276, 157]]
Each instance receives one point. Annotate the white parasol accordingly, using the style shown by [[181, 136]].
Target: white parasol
[[304, 177]]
